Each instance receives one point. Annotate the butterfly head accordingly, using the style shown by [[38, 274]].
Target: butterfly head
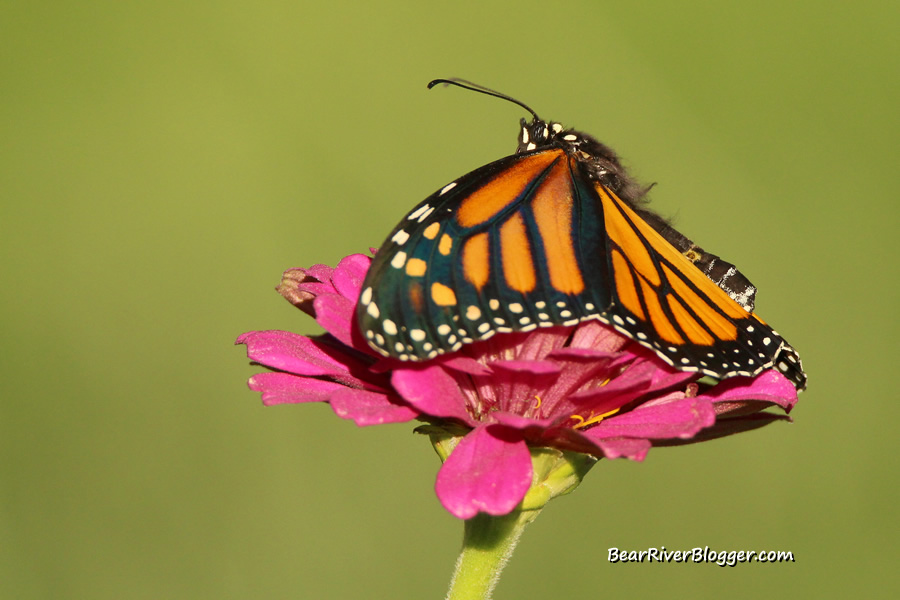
[[537, 134], [598, 161]]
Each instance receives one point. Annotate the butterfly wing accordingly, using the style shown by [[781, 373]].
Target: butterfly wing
[[692, 308], [500, 249], [532, 240]]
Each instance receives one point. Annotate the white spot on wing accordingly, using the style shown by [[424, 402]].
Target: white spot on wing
[[399, 260], [447, 188], [400, 237], [424, 215], [418, 212]]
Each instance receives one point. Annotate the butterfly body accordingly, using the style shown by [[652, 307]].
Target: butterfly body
[[550, 236]]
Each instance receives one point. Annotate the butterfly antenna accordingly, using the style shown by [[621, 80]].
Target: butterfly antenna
[[468, 85]]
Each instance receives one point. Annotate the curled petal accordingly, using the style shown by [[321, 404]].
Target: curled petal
[[488, 471]]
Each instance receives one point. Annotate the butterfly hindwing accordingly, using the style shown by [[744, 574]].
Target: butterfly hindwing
[[666, 300]]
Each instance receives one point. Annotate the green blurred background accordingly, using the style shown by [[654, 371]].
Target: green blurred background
[[163, 163]]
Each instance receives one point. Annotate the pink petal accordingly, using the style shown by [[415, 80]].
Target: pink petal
[[464, 364], [523, 423], [349, 275], [681, 418], [282, 388], [593, 334], [529, 367], [320, 272], [369, 408], [533, 345], [335, 314], [432, 391], [583, 353], [769, 386], [517, 383], [290, 352], [635, 449], [629, 385], [488, 471]]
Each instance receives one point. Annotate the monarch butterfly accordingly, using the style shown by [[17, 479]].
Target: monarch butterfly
[[552, 235]]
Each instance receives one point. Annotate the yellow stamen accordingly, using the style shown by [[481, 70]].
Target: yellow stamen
[[538, 405], [592, 420]]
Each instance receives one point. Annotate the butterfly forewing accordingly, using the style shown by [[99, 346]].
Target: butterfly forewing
[[501, 249]]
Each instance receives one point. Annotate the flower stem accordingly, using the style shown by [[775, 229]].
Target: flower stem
[[488, 542]]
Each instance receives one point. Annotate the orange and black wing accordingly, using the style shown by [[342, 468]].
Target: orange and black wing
[[508, 247], [692, 308], [532, 240]]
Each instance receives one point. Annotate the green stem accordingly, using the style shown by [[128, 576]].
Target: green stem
[[488, 543]]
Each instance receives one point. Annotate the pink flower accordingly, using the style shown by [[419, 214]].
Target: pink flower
[[583, 388]]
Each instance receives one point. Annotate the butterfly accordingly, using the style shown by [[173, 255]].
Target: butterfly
[[552, 235]]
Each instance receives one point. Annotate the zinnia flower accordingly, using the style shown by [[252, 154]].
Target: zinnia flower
[[583, 389]]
